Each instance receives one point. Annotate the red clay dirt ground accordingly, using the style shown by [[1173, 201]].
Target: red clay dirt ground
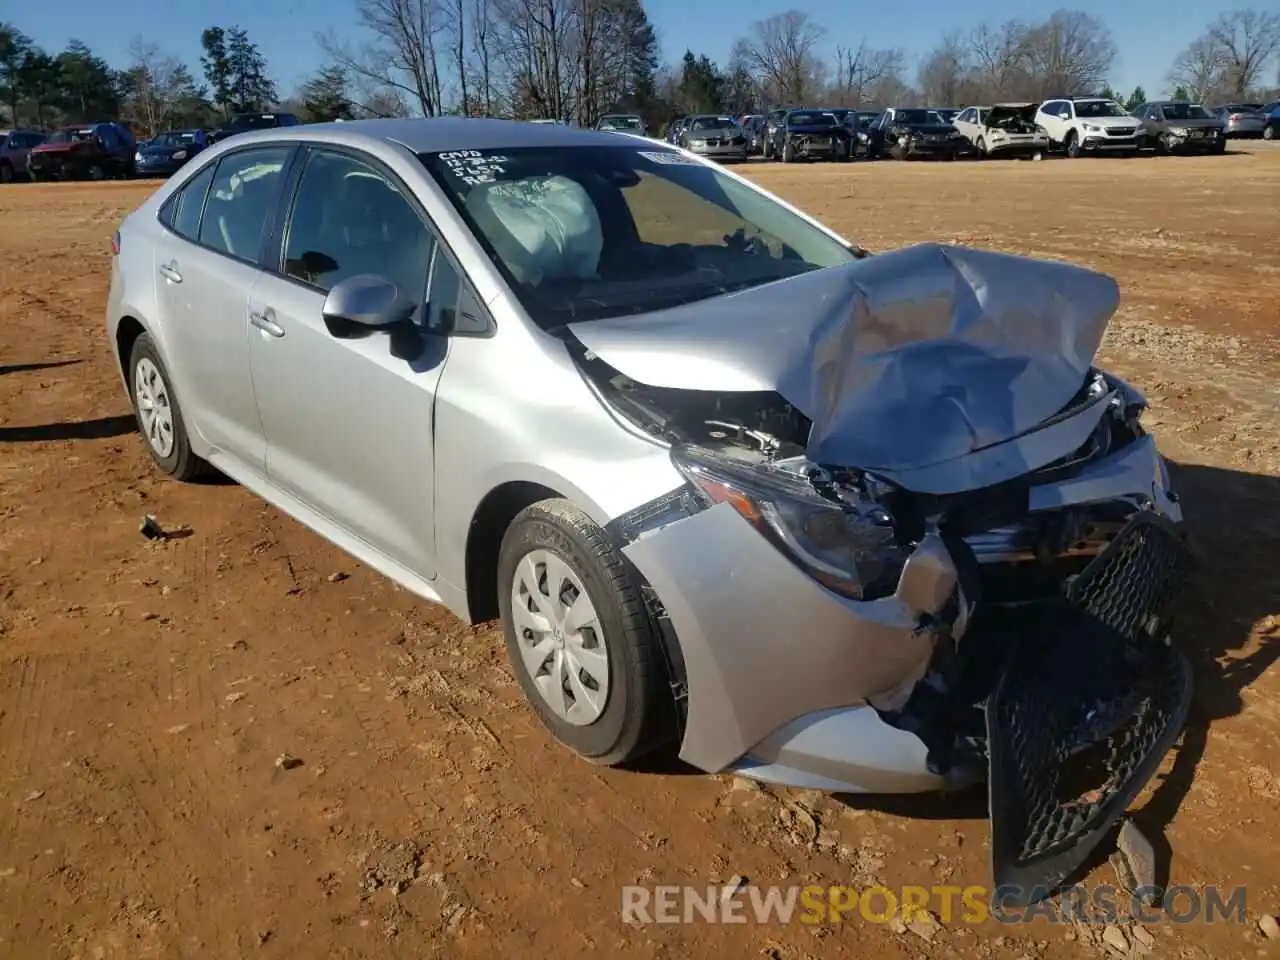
[[147, 689]]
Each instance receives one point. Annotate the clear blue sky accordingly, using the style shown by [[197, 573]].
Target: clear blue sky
[[1148, 32]]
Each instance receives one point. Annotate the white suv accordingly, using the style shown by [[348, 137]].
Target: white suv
[[1088, 125]]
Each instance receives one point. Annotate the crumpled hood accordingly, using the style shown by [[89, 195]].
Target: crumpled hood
[[903, 360]]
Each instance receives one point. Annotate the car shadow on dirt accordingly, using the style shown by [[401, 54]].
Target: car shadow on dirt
[[1234, 521], [29, 367], [99, 429]]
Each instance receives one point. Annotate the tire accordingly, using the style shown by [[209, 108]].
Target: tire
[[1073, 144], [1269, 133], [982, 149], [788, 152], [150, 389], [95, 172], [1162, 145], [633, 715], [6, 172], [1220, 146]]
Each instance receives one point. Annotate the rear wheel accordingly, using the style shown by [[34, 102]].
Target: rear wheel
[[159, 416], [579, 636], [96, 172], [1269, 133], [6, 172]]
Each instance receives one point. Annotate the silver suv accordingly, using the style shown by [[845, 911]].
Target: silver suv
[[849, 521]]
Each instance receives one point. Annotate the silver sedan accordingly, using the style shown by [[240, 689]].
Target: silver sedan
[[730, 482]]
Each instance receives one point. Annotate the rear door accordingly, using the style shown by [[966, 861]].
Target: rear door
[[207, 263]]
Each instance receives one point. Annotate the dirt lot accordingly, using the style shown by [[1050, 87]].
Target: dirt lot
[[147, 690]]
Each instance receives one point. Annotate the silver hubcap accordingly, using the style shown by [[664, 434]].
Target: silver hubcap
[[560, 638], [154, 409]]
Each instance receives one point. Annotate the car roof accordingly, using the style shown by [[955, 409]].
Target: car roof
[[443, 134], [1020, 104]]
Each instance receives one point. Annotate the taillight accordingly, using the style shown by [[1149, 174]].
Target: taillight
[[115, 244]]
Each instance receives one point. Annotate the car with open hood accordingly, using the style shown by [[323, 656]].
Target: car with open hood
[[807, 134], [166, 153], [1087, 125], [851, 521], [1176, 126], [83, 151], [910, 133], [1003, 130]]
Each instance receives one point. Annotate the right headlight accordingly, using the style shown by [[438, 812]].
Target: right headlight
[[845, 543]]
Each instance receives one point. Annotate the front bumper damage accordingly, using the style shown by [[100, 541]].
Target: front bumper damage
[[1025, 627], [784, 681]]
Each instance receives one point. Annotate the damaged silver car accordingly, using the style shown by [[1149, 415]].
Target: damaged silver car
[[847, 521]]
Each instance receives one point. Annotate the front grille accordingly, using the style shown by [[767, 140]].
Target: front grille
[[1091, 699], [1122, 131]]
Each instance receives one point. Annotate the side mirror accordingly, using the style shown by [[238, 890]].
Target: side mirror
[[367, 301]]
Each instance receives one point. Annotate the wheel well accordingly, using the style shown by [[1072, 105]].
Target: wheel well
[[484, 539], [127, 333]]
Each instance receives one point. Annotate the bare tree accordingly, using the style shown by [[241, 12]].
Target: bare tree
[[1246, 40], [944, 75], [859, 69], [159, 86], [1198, 69], [1071, 53], [781, 53], [402, 56], [999, 61], [481, 49]]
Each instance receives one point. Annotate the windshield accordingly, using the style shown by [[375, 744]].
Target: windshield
[[585, 233], [174, 138], [1186, 111], [839, 114], [621, 123], [713, 123], [77, 135], [914, 117], [946, 116], [1099, 108], [867, 119], [810, 118]]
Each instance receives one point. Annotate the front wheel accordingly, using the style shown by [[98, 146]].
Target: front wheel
[[579, 636], [1269, 133], [788, 152], [1073, 145], [159, 416]]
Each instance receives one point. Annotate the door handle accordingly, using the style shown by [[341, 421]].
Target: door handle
[[170, 271], [265, 321]]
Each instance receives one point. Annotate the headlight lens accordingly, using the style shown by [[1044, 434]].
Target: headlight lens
[[847, 545], [698, 143], [1092, 128], [180, 155], [138, 155], [1178, 131]]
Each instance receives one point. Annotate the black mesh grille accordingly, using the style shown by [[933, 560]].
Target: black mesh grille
[[1092, 698]]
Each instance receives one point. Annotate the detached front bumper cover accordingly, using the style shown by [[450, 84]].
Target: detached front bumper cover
[[1087, 707]]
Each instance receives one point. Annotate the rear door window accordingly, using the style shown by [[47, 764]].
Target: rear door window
[[242, 196]]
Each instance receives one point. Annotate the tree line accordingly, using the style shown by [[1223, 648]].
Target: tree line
[[578, 59]]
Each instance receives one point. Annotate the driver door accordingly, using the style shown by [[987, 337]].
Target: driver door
[[347, 415]]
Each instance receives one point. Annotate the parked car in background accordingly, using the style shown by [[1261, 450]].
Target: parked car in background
[[88, 151], [753, 126], [1003, 130], [772, 122], [913, 133], [847, 521], [946, 114], [15, 146], [1241, 119], [810, 135], [859, 123], [715, 137], [165, 153], [245, 122], [623, 123], [1176, 126], [1271, 121], [1090, 125]]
